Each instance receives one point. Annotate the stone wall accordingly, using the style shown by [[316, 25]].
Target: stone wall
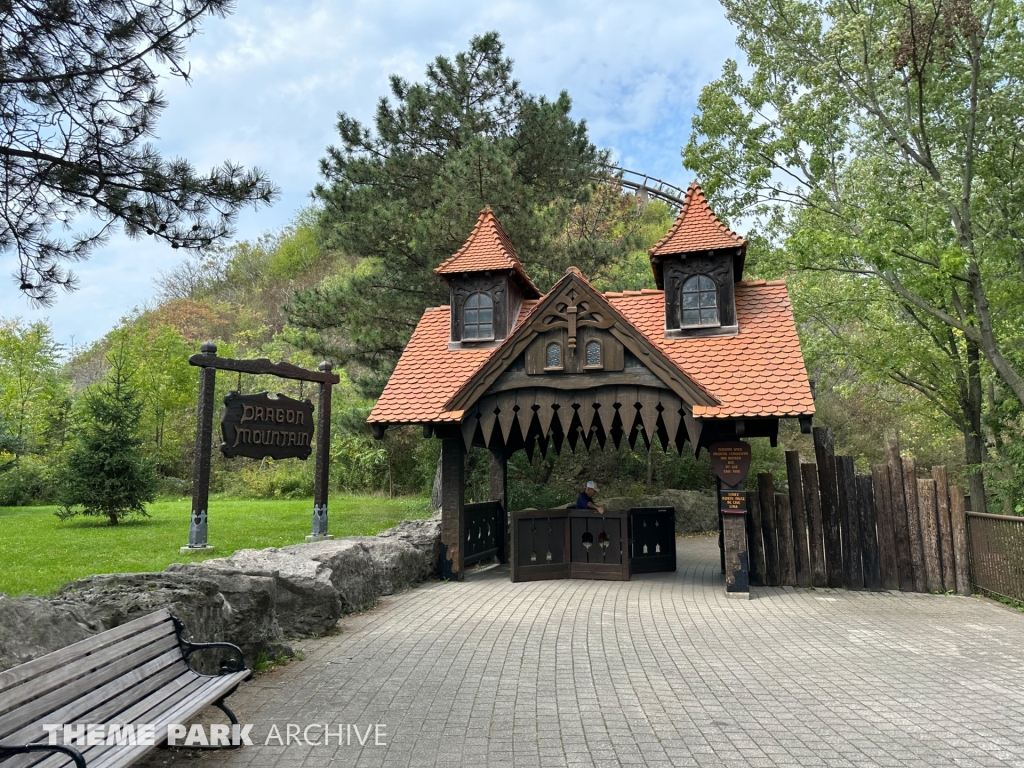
[[257, 599]]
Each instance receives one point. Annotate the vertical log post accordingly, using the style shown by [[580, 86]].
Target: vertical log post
[[733, 504], [886, 533], [796, 504], [868, 533], [948, 560], [958, 513], [787, 557], [322, 470], [453, 511], [755, 545], [812, 505], [899, 515], [498, 476], [914, 524], [849, 521], [769, 528], [197, 529], [929, 534], [824, 451]]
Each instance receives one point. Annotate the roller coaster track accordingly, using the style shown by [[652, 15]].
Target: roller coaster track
[[643, 185]]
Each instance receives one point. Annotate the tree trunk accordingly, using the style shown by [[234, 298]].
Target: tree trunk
[[435, 492], [974, 443]]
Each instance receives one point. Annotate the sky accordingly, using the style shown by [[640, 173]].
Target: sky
[[269, 80]]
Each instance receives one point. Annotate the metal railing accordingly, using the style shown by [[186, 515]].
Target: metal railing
[[997, 554], [643, 185]]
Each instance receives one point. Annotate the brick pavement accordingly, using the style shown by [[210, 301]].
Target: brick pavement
[[663, 670]]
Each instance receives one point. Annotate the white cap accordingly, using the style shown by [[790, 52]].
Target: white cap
[[591, 484]]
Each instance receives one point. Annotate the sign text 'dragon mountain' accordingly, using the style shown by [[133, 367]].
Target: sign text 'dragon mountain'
[[259, 426]]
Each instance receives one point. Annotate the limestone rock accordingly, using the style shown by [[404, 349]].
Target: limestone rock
[[305, 601], [33, 626]]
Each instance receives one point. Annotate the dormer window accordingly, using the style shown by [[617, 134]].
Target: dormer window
[[700, 301], [593, 355], [478, 318], [553, 357]]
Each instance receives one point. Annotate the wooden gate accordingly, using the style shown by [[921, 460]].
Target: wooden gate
[[582, 544], [485, 531]]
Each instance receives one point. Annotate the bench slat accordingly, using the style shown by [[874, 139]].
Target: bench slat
[[66, 704], [148, 692], [70, 653], [219, 687], [82, 667], [186, 704], [143, 711]]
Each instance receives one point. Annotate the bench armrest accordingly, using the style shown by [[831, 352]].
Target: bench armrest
[[227, 666], [71, 752]]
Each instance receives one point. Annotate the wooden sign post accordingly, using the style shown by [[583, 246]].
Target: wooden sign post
[[731, 463], [259, 426]]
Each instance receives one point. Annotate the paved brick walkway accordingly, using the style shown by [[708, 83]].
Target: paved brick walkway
[[663, 670]]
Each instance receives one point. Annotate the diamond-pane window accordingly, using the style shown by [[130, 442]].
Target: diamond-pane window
[[593, 354], [700, 301], [553, 355], [478, 317]]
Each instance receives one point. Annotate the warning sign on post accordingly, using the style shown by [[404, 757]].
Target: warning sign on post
[[730, 461]]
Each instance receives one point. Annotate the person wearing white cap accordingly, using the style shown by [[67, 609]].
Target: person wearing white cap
[[586, 499]]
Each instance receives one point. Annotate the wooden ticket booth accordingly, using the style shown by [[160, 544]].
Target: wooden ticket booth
[[703, 360]]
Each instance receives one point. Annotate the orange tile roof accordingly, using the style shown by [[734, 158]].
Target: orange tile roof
[[429, 374], [696, 228], [758, 372], [487, 248]]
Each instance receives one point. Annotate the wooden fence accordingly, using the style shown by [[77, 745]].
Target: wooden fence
[[997, 554], [835, 528]]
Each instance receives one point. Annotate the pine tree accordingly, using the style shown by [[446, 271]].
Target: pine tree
[[105, 473]]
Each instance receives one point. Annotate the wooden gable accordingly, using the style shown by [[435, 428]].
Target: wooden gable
[[573, 313]]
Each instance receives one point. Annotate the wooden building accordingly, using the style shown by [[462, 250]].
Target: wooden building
[[703, 359]]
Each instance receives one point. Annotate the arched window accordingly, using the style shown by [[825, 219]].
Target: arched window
[[553, 356], [478, 317], [593, 358], [700, 301]]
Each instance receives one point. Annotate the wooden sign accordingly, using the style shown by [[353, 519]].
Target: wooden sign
[[730, 461], [732, 502], [259, 426]]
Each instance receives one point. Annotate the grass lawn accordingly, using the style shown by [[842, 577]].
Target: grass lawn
[[39, 553]]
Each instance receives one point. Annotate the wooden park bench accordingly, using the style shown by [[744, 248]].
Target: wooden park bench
[[138, 673]]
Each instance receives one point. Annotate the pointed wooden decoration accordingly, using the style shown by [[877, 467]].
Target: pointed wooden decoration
[[663, 436], [506, 414], [542, 443], [526, 399], [602, 437], [616, 435], [565, 416], [545, 399], [626, 396], [528, 447], [633, 433], [469, 424], [693, 430], [671, 415], [573, 437], [488, 417], [648, 399], [587, 413]]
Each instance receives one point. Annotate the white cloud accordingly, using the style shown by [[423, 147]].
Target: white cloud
[[269, 81]]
